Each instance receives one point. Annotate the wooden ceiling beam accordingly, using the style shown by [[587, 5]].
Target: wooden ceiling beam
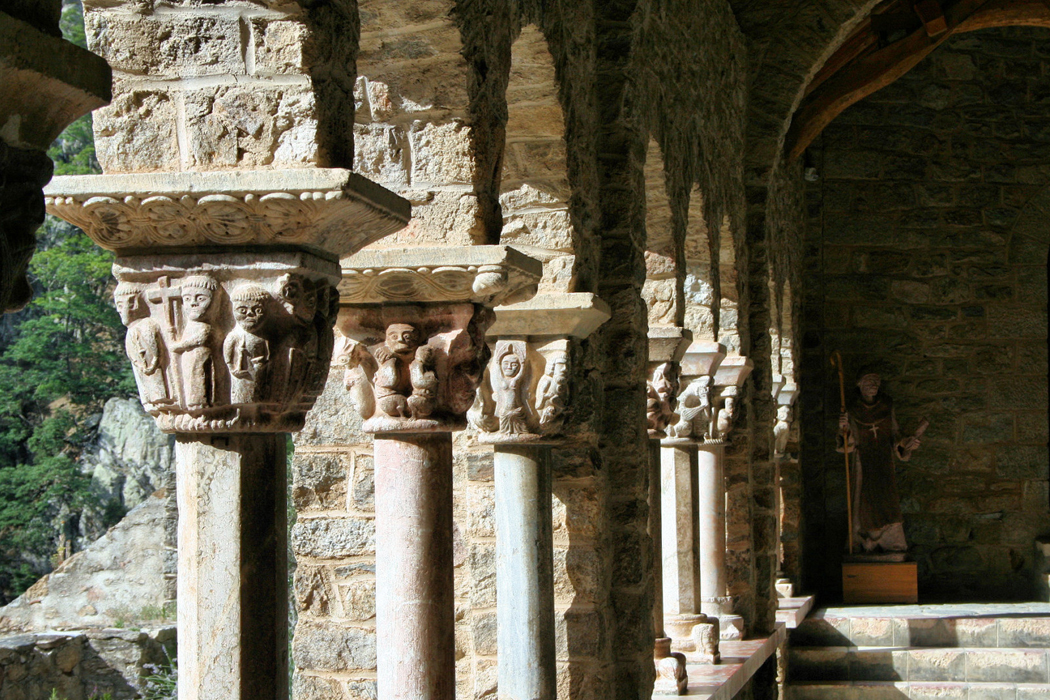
[[866, 73]]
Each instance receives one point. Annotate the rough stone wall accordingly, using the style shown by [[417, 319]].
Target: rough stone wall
[[84, 665], [926, 252], [222, 85]]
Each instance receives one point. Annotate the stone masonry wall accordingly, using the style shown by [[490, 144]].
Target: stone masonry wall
[[926, 253], [221, 85]]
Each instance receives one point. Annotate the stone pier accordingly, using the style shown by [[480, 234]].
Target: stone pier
[[412, 339], [229, 321], [523, 409]]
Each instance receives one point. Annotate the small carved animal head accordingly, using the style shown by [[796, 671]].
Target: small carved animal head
[[249, 306], [197, 293]]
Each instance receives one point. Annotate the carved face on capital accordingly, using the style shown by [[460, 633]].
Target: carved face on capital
[[402, 339], [783, 413], [292, 294], [129, 305], [197, 294], [730, 406], [559, 370], [306, 309], [510, 365], [249, 313]]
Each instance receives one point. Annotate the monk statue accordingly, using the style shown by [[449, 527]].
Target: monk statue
[[868, 430]]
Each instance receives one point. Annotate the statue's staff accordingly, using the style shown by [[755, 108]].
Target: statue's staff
[[836, 362]]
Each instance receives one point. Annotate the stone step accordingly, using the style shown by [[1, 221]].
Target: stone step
[[1024, 626], [916, 690], [954, 664]]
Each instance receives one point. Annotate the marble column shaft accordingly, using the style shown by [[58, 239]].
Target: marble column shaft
[[710, 507], [233, 568], [680, 568], [525, 573], [415, 611]]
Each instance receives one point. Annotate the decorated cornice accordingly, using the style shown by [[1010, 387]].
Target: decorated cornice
[[489, 275], [733, 370], [329, 210], [668, 343]]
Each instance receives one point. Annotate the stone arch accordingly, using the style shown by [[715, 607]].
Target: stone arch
[[534, 188]]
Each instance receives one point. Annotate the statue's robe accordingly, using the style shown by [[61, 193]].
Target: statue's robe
[[874, 439]]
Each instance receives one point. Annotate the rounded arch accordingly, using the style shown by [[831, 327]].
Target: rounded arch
[[534, 186]]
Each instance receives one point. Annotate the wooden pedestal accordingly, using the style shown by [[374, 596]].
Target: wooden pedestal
[[880, 582]]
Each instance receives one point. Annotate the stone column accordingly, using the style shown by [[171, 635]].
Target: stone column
[[686, 621], [414, 323], [524, 408], [45, 83], [714, 596], [666, 346], [784, 396], [226, 282]]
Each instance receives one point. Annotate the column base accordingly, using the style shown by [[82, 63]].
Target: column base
[[732, 627], [671, 676], [695, 633]]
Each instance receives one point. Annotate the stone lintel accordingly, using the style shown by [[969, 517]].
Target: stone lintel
[[45, 83], [489, 275], [574, 315], [702, 358], [733, 371], [668, 343], [328, 210]]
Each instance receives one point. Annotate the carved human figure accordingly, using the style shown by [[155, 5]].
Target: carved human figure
[[194, 345], [359, 374], [782, 430], [318, 374], [423, 375], [694, 408], [393, 382], [873, 437], [661, 397], [144, 344], [726, 414], [298, 347], [552, 394], [509, 390], [246, 349]]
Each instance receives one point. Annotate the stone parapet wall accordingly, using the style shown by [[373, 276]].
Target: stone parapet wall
[[926, 254], [83, 665]]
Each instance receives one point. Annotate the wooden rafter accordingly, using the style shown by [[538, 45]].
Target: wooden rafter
[[861, 66]]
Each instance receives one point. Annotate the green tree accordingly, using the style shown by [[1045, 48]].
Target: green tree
[[63, 360]]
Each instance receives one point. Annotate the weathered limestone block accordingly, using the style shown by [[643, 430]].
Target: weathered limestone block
[[129, 570]]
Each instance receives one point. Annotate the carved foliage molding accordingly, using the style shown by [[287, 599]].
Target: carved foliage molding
[[526, 393], [413, 368], [126, 222], [217, 348]]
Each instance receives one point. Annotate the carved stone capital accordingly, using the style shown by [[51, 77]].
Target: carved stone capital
[[23, 172], [527, 395], [228, 342], [331, 211], [729, 378], [667, 346], [413, 326], [696, 402]]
